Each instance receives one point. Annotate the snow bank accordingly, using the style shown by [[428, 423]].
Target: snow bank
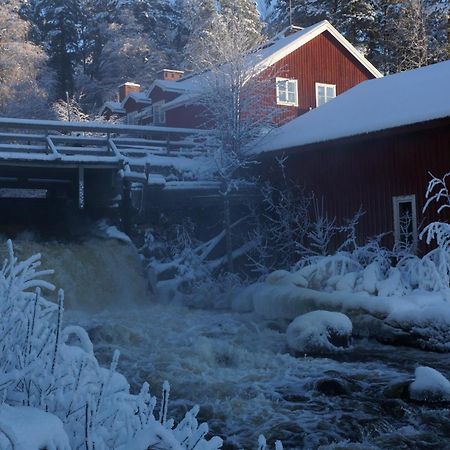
[[319, 331], [408, 304], [429, 385], [31, 429]]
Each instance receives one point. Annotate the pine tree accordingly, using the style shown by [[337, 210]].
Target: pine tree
[[57, 26], [207, 21]]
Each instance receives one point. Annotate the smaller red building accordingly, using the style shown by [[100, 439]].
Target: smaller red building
[[373, 147], [302, 70]]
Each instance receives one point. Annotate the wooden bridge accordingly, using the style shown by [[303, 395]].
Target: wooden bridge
[[90, 163]]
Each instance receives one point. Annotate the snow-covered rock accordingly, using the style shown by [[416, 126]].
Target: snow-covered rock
[[319, 332], [26, 428], [429, 385]]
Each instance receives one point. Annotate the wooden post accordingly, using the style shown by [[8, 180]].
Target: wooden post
[[81, 187]]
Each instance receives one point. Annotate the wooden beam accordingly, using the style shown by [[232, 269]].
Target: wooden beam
[[52, 147]]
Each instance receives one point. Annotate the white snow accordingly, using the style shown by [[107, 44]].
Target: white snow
[[314, 331], [429, 385], [402, 99], [25, 428]]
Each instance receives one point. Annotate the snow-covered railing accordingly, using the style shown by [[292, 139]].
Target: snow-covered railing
[[93, 143]]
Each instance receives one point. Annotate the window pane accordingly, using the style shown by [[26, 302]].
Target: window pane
[[321, 91], [292, 97], [292, 86], [320, 100], [330, 92]]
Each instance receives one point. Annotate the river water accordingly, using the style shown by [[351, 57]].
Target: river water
[[237, 366]]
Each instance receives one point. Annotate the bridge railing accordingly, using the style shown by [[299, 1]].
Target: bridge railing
[[22, 139]]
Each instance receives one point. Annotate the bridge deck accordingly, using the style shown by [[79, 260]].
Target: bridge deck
[[39, 152]]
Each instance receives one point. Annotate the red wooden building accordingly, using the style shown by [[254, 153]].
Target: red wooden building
[[374, 146], [304, 69]]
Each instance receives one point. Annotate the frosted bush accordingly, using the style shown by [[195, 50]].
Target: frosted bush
[[44, 366]]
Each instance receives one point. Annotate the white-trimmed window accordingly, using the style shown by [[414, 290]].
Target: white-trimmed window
[[405, 221], [324, 93], [159, 116], [287, 93]]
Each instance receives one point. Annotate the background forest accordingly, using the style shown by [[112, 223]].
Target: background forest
[[86, 48]]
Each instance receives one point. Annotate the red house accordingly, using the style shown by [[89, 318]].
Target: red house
[[312, 66], [373, 147]]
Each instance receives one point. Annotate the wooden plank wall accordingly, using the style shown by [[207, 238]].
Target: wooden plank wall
[[369, 173]]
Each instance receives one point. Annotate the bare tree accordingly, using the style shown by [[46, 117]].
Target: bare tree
[[25, 80], [236, 100]]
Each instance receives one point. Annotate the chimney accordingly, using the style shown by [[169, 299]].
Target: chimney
[[127, 88], [291, 29], [170, 74]]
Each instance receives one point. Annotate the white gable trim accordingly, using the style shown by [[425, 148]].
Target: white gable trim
[[310, 35]]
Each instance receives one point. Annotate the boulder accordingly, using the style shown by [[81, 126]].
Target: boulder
[[320, 332]]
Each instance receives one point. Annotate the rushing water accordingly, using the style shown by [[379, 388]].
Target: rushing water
[[237, 366]]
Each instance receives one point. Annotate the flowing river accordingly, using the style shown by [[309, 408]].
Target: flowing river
[[237, 366]]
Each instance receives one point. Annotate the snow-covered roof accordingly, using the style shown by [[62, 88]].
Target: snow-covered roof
[[183, 99], [114, 107], [405, 98], [265, 57], [138, 97], [171, 86]]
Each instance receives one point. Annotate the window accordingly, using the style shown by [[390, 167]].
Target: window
[[159, 116], [405, 222], [287, 92], [324, 93]]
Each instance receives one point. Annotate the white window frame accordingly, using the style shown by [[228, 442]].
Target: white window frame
[[396, 201], [159, 118], [290, 80], [324, 85]]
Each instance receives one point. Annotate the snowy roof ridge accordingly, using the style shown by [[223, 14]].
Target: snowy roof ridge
[[139, 97], [402, 99], [113, 106]]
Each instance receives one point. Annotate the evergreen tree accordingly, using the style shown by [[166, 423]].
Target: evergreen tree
[[208, 21], [394, 34], [57, 26]]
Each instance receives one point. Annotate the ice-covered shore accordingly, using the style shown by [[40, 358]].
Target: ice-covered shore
[[385, 309]]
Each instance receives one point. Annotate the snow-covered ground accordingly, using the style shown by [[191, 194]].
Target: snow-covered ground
[[237, 366]]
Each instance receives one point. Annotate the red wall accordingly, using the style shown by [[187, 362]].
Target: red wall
[[369, 173], [321, 60]]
